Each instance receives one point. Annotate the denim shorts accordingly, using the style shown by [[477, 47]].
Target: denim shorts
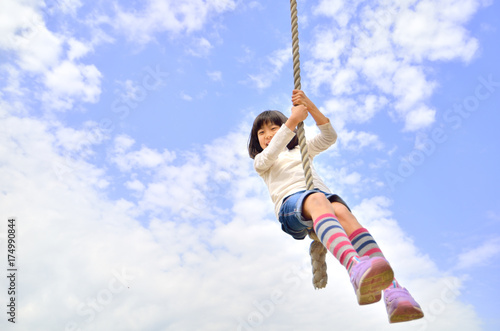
[[290, 214]]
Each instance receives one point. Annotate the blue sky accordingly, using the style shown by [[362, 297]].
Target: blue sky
[[123, 158]]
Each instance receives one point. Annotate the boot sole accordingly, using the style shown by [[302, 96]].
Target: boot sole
[[405, 312], [377, 278]]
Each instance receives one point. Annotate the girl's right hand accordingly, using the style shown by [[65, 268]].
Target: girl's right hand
[[299, 114]]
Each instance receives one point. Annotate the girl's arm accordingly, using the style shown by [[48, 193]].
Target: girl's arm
[[327, 136], [265, 159], [321, 142], [300, 98], [299, 114]]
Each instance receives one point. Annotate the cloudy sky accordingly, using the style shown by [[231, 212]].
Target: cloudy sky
[[123, 160]]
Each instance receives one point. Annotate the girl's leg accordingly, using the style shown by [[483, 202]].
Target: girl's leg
[[329, 230], [360, 238], [346, 218], [400, 304], [368, 276]]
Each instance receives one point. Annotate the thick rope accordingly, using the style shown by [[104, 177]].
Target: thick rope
[[296, 78], [317, 250]]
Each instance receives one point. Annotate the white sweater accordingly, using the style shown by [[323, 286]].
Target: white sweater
[[281, 168]]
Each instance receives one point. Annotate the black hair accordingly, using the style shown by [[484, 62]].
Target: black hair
[[267, 117]]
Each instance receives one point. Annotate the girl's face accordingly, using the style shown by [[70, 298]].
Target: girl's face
[[266, 133]]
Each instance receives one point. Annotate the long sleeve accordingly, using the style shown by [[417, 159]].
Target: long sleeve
[[265, 159], [322, 141], [281, 169]]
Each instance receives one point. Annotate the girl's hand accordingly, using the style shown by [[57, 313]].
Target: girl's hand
[[299, 114], [300, 98]]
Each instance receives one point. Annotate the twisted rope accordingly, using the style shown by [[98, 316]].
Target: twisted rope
[[317, 250], [304, 152]]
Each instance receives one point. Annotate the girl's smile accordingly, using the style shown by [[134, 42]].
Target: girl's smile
[[266, 134]]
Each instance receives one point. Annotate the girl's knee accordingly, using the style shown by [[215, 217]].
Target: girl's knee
[[314, 205], [341, 210], [317, 199]]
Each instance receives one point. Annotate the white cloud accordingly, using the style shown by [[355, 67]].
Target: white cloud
[[340, 11], [64, 6], [18, 29], [384, 46], [171, 16], [135, 185], [186, 97], [12, 80], [216, 76], [79, 141], [410, 86], [434, 30], [331, 45], [479, 255], [185, 261], [255, 5], [357, 140], [321, 72], [358, 110], [143, 158], [123, 143], [129, 90], [69, 81], [77, 49], [344, 81], [40, 55], [276, 61], [419, 118], [130, 93], [201, 47], [39, 50]]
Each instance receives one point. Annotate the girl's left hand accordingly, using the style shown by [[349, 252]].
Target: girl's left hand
[[300, 98]]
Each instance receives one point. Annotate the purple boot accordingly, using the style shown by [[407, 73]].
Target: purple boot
[[401, 307], [369, 277]]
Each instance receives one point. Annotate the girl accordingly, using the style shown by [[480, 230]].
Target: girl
[[274, 147]]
